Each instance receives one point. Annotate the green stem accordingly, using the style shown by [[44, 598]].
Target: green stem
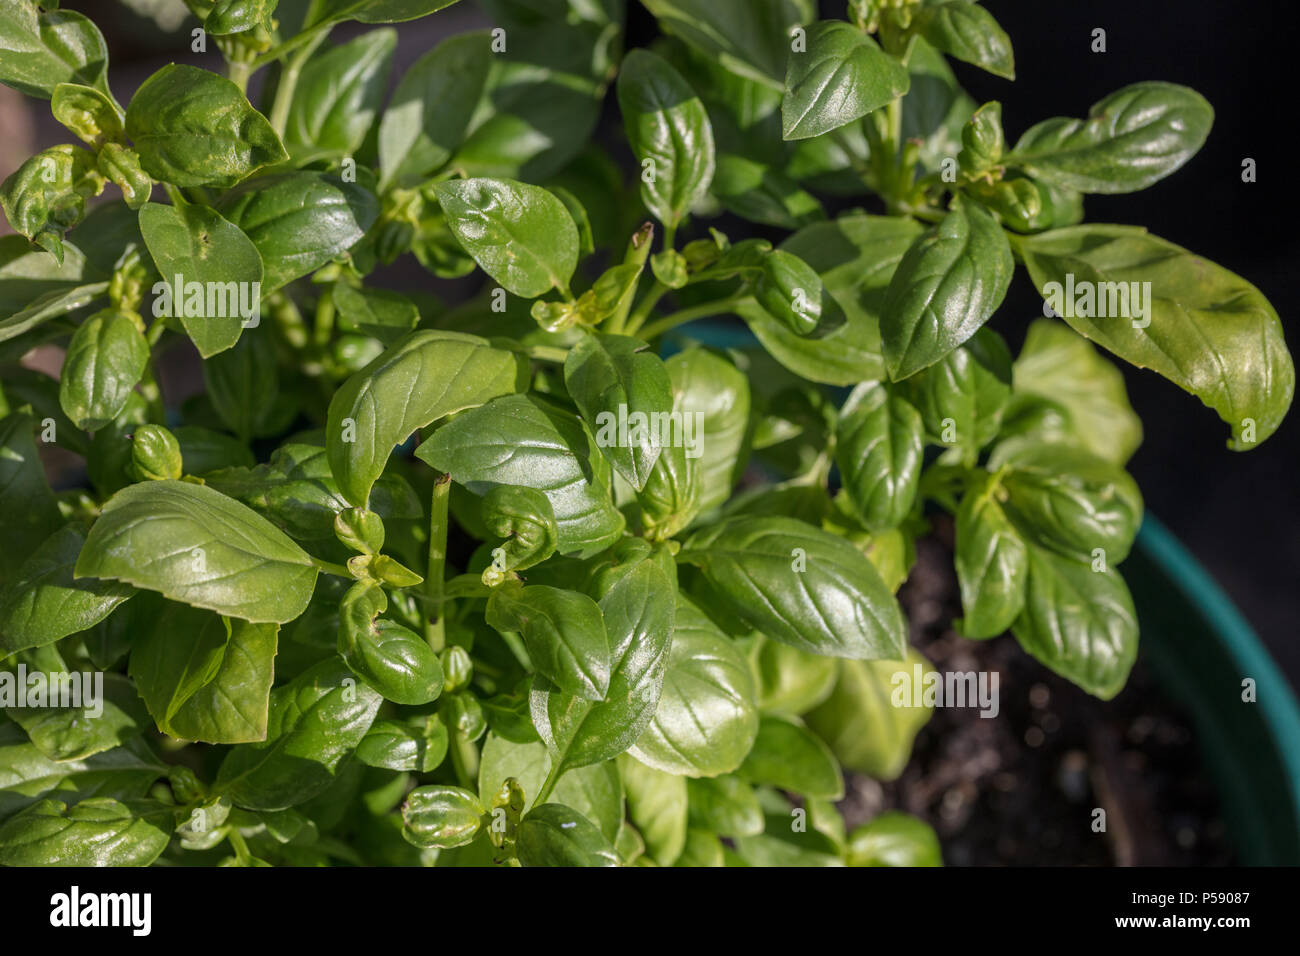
[[324, 319], [543, 353], [238, 72], [310, 35], [464, 760], [239, 846], [638, 251], [646, 306], [703, 311], [174, 194], [330, 568], [289, 79], [548, 785], [435, 631]]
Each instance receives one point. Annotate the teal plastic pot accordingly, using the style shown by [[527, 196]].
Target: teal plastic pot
[[1201, 650]]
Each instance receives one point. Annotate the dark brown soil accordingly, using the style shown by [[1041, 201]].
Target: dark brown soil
[[1021, 788]]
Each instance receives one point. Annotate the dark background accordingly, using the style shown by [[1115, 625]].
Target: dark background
[[1239, 513]]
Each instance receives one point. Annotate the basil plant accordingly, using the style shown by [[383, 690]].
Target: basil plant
[[544, 577]]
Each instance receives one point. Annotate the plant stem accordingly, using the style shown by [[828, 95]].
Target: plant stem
[[435, 630], [544, 353], [703, 311], [324, 318], [646, 306], [238, 72], [638, 251], [330, 568], [548, 785], [289, 79]]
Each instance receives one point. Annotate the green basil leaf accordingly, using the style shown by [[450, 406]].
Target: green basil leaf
[[96, 832], [121, 166], [1069, 500], [88, 112], [594, 791], [963, 396], [315, 723], [43, 48], [757, 192], [800, 585], [211, 271], [243, 384], [707, 718], [524, 440], [195, 128], [431, 108], [441, 817], [865, 726], [26, 774], [520, 235], [935, 108], [554, 835], [710, 385], [197, 546], [1058, 364], [31, 513], [669, 132], [379, 11], [1203, 328], [421, 378], [392, 659], [622, 391], [749, 37], [28, 274], [1079, 622], [992, 562], [952, 278], [791, 291], [670, 499], [725, 805], [205, 677], [855, 257], [81, 730], [417, 746], [878, 445], [790, 681], [296, 491], [894, 839], [46, 195], [563, 632], [105, 360], [204, 450], [841, 77], [380, 313], [299, 221], [338, 95], [638, 608], [657, 804], [968, 32], [44, 604], [788, 756], [525, 519], [48, 306], [541, 103], [1134, 137]]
